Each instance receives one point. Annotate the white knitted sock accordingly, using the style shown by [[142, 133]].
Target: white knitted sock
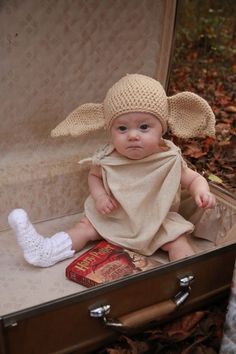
[[38, 250]]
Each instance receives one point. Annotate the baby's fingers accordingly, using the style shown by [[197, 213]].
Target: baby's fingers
[[211, 201], [114, 203], [198, 201], [108, 208], [205, 201]]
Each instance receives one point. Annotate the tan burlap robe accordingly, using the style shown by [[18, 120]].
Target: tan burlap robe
[[148, 192]]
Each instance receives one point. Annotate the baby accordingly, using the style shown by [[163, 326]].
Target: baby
[[135, 180]]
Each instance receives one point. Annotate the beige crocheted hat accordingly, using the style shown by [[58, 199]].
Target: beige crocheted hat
[[186, 114]]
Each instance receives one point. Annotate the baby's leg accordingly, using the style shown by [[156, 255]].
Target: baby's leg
[[179, 248], [82, 233], [46, 251]]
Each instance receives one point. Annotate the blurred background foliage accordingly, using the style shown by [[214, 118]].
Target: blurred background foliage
[[208, 28], [204, 62]]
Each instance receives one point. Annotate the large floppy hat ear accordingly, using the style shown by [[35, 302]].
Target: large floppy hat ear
[[83, 120], [190, 116]]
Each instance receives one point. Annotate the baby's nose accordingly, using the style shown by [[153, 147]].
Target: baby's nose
[[133, 134]]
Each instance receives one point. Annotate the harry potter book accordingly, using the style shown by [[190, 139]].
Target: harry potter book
[[107, 262]]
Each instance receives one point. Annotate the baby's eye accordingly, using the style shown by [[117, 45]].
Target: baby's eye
[[122, 128], [144, 126]]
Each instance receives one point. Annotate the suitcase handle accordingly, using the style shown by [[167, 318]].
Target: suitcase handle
[[143, 316]]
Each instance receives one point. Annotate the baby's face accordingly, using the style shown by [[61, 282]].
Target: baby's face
[[136, 135]]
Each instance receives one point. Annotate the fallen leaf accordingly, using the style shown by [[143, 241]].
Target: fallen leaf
[[193, 151], [215, 179], [230, 109], [116, 351], [186, 323], [136, 346], [223, 128]]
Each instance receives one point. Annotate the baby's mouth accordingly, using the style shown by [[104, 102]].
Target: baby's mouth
[[134, 147]]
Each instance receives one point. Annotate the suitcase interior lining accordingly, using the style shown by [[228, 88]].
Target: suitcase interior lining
[[23, 286], [55, 56]]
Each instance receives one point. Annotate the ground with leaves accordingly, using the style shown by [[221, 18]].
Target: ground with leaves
[[205, 63], [214, 158]]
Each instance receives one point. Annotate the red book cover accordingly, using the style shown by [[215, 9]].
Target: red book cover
[[106, 262]]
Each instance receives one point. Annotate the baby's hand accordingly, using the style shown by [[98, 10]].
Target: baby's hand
[[205, 200], [105, 204]]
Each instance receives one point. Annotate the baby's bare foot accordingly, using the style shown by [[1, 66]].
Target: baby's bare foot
[[178, 249]]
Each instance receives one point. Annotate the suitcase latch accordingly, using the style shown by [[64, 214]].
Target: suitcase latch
[[100, 311]]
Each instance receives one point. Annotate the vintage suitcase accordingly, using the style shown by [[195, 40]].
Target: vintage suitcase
[[43, 312], [55, 55]]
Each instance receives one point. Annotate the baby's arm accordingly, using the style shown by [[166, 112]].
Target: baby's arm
[[105, 203], [198, 187]]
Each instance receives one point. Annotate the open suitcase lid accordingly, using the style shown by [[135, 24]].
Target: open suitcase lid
[[56, 55]]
